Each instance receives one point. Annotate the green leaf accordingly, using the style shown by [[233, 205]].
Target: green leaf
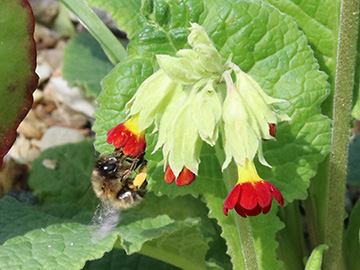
[[18, 218], [267, 45], [351, 242], [85, 64], [292, 249], [117, 259], [125, 13], [59, 246], [111, 46], [65, 198], [18, 79], [185, 247], [353, 178], [320, 22], [69, 182], [315, 260]]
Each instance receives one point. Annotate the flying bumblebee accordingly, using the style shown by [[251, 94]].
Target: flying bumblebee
[[113, 181]]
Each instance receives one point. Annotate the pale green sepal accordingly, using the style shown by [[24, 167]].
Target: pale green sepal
[[206, 113], [315, 260], [186, 146], [178, 136], [152, 97], [258, 103], [180, 70], [240, 139], [205, 50], [193, 57], [209, 58], [198, 36], [167, 118]]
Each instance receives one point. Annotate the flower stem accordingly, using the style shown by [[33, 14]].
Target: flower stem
[[344, 82], [243, 225]]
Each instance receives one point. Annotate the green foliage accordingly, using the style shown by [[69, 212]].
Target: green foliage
[[177, 231], [51, 186], [85, 63], [17, 71], [285, 69], [314, 262], [111, 46], [125, 13]]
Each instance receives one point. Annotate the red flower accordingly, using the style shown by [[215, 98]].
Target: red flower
[[251, 195], [185, 177], [127, 136]]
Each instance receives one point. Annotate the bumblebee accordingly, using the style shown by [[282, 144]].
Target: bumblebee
[[119, 180]]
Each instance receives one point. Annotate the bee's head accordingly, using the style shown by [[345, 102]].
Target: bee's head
[[107, 167]]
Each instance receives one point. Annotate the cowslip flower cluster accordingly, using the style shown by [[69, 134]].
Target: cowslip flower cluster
[[188, 101]]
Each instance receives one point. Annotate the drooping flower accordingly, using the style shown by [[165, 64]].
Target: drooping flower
[[251, 195], [128, 137], [185, 177], [248, 117]]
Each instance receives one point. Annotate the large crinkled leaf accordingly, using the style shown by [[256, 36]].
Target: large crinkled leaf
[[79, 243], [18, 219], [320, 22], [158, 221], [70, 180], [58, 246], [268, 45], [125, 13], [85, 63], [18, 79]]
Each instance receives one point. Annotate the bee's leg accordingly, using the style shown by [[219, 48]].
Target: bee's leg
[[135, 164]]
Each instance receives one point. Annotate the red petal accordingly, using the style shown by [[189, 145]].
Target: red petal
[[169, 175], [185, 177], [118, 136], [232, 199], [254, 212], [240, 210], [267, 209], [263, 194], [135, 146], [248, 198], [276, 193]]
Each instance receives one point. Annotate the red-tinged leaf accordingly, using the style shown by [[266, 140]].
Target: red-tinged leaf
[[18, 79]]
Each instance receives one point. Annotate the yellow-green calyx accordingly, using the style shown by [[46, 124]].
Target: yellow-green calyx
[[192, 95]]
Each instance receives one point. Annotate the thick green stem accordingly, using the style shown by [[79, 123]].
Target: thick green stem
[[243, 225], [344, 81]]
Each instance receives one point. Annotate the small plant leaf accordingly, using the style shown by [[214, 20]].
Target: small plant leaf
[[315, 260], [125, 13], [85, 64], [18, 79]]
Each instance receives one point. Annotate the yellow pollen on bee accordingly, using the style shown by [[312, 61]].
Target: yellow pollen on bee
[[139, 179]]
